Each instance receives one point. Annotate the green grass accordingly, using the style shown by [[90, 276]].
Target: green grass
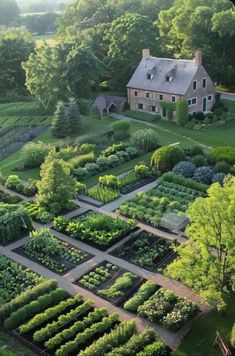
[[200, 340], [138, 115], [11, 347]]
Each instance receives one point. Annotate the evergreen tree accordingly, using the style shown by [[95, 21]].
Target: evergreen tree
[[73, 117], [57, 187], [60, 121]]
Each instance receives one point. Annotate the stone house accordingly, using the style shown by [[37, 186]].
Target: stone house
[[158, 81]]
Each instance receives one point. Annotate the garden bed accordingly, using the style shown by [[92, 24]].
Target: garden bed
[[89, 200], [94, 228], [62, 263], [9, 198], [136, 185], [147, 251], [161, 306], [15, 279], [110, 282]]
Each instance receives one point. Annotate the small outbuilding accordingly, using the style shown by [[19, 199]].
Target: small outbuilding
[[107, 104], [174, 222]]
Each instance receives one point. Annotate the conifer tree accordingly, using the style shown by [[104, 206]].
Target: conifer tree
[[73, 117], [60, 121]]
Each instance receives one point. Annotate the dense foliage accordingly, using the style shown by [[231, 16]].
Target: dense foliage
[[164, 158]]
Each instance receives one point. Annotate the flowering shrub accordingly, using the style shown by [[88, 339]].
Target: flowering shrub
[[185, 168], [203, 175]]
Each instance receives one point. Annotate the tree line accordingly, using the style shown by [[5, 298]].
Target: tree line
[[98, 44]]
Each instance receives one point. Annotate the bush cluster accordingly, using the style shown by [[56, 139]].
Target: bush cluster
[[185, 168], [164, 158]]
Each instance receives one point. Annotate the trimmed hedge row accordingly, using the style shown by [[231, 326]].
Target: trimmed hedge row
[[88, 334], [28, 310], [115, 338], [26, 297], [144, 293], [49, 313], [158, 348], [135, 344], [52, 328], [79, 326]]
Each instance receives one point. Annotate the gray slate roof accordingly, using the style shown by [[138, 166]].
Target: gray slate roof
[[104, 101], [183, 71]]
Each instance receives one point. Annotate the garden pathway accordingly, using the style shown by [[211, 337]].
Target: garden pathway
[[66, 281]]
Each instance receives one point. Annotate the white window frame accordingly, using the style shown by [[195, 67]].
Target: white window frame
[[211, 95], [204, 87], [195, 81], [192, 101], [160, 97], [173, 96], [189, 100]]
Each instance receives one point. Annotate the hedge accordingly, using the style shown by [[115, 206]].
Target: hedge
[[158, 348], [187, 182], [164, 158], [26, 297], [35, 306], [143, 294]]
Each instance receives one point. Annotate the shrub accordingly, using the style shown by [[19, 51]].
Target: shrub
[[158, 348], [218, 178], [86, 148], [164, 158], [226, 154], [80, 188], [203, 175], [182, 115], [222, 167], [199, 160], [196, 150], [26, 297], [121, 129], [82, 160], [109, 181], [132, 151], [141, 170], [80, 173], [185, 168], [144, 293], [111, 150], [103, 163], [13, 181], [33, 154], [187, 182], [92, 168], [145, 139]]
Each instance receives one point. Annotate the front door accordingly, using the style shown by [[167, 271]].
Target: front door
[[204, 105], [164, 112]]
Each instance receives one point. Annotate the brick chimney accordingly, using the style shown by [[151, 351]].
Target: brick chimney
[[145, 53], [198, 57]]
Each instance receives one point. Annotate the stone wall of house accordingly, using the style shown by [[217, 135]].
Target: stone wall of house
[[150, 100], [199, 93]]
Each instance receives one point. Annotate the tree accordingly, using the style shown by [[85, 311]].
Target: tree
[[9, 12], [45, 74], [56, 188], [128, 35], [164, 158], [14, 49], [206, 261], [145, 139], [182, 115], [60, 123], [73, 117]]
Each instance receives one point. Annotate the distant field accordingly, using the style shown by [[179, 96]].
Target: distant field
[[40, 39]]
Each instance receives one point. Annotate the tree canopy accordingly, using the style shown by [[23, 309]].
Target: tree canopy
[[9, 12], [206, 261]]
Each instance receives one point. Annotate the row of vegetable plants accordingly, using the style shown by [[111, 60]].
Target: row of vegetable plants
[[162, 306], [46, 249], [147, 250], [172, 194], [110, 282], [48, 320], [96, 229]]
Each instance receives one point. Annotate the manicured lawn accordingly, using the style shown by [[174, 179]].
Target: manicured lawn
[[10, 347], [200, 340]]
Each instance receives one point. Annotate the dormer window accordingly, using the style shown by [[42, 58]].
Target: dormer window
[[149, 76], [169, 79]]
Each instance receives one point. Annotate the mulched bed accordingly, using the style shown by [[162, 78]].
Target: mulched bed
[[128, 250], [136, 185], [109, 281]]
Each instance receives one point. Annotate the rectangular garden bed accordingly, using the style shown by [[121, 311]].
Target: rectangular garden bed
[[140, 182], [110, 282], [147, 251], [9, 198], [64, 261], [94, 228], [161, 306]]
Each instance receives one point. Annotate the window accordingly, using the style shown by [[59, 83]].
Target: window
[[153, 108], [140, 106], [189, 102], [169, 78], [147, 95], [194, 84], [210, 97], [161, 97], [204, 83], [194, 101], [135, 93], [173, 98], [149, 76]]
